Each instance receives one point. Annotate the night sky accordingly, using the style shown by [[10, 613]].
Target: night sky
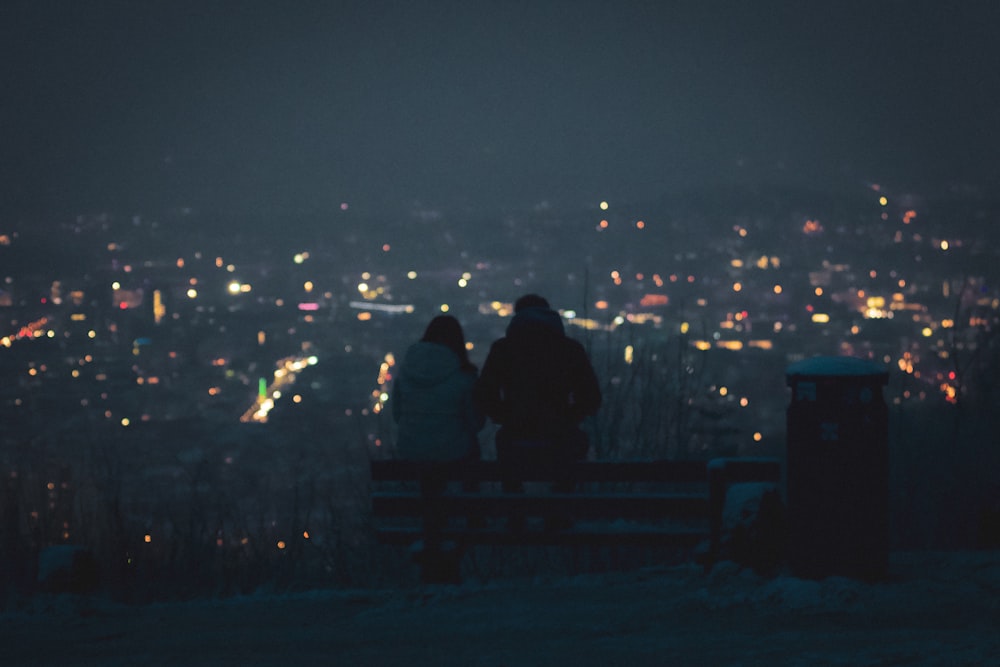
[[134, 106]]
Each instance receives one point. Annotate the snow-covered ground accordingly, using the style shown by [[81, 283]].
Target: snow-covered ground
[[935, 609]]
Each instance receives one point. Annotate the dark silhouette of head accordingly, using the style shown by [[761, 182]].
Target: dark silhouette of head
[[530, 301], [446, 330]]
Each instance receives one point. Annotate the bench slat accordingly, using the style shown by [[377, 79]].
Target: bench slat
[[584, 471], [606, 505], [572, 537]]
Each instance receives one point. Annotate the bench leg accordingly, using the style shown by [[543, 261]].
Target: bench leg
[[440, 565], [717, 483]]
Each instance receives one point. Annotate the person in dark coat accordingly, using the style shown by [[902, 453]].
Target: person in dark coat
[[432, 397], [538, 385]]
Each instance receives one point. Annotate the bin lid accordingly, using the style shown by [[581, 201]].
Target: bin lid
[[837, 367]]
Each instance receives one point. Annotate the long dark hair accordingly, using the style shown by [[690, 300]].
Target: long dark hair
[[445, 330]]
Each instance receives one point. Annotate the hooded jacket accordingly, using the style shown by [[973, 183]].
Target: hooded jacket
[[432, 405], [537, 382]]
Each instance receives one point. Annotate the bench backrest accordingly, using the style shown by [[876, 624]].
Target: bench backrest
[[585, 471]]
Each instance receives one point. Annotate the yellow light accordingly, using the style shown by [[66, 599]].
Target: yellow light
[[737, 287], [308, 286], [927, 332], [445, 308], [412, 275], [147, 538], [629, 351], [820, 318], [883, 201], [944, 245], [723, 391], [685, 326], [604, 206], [777, 289]]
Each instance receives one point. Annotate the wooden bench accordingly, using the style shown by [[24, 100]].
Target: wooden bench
[[643, 503]]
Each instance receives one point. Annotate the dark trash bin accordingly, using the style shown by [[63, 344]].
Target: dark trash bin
[[838, 469]]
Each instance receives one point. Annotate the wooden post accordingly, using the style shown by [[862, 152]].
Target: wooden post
[[439, 562], [716, 504]]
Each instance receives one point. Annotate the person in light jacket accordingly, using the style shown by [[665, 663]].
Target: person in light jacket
[[432, 397]]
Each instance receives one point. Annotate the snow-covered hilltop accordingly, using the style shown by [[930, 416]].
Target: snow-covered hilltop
[[935, 609]]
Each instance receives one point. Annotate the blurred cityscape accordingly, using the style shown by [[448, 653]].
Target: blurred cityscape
[[231, 366], [136, 321]]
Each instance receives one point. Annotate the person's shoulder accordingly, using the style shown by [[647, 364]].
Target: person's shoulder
[[468, 377], [500, 344]]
